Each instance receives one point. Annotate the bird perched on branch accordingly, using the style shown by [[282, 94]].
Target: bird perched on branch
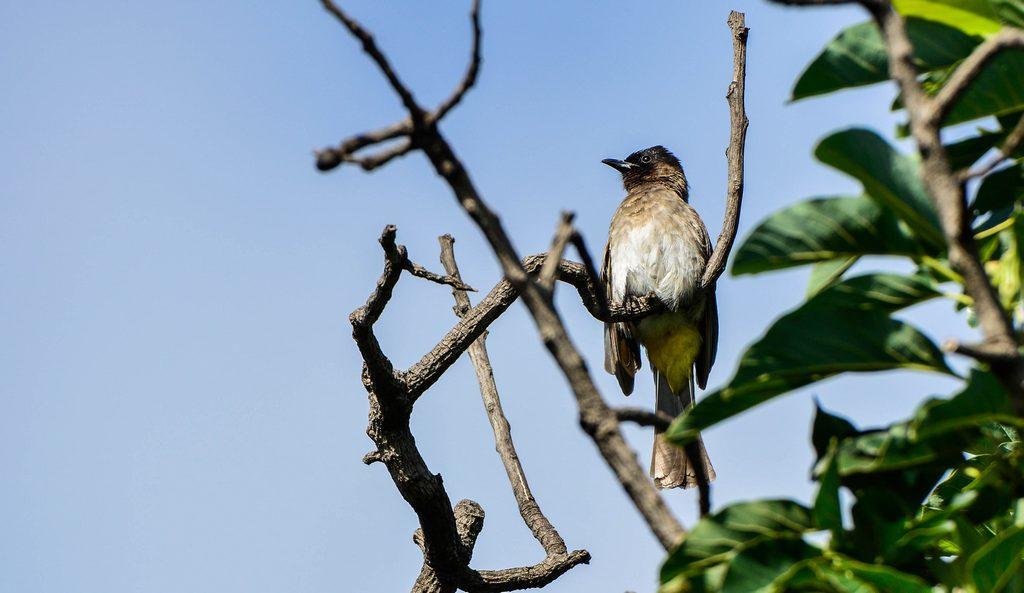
[[658, 244]]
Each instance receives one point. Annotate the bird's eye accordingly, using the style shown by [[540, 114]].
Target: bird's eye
[[645, 159]]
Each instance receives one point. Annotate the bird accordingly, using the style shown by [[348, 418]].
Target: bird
[[658, 245]]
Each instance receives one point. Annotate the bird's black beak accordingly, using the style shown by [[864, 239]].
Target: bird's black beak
[[620, 166]]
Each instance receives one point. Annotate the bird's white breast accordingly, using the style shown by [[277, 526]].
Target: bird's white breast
[[656, 252]]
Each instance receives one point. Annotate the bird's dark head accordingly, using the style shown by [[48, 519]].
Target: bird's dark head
[[651, 165]]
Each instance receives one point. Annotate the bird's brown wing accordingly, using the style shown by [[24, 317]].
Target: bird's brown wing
[[707, 325], [621, 351]]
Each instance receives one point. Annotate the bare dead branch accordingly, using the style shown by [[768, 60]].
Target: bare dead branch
[[345, 152], [449, 280], [329, 158], [969, 70], [528, 577], [377, 366], [429, 369], [446, 535], [563, 234], [469, 521], [1013, 141], [371, 162], [643, 417], [593, 284], [416, 113], [469, 79], [738, 124], [529, 509]]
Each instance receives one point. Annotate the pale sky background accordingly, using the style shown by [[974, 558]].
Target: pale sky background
[[180, 405]]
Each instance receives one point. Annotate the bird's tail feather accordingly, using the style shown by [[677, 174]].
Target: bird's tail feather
[[670, 465]]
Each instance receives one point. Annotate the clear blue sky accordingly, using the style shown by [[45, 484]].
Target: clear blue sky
[[180, 405]]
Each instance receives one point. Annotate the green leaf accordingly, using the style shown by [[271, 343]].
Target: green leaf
[[758, 568], [982, 400], [827, 509], [891, 450], [827, 273], [998, 90], [845, 328], [823, 229], [1000, 189], [1010, 12], [828, 427], [879, 291], [966, 152], [883, 578], [720, 537], [857, 56], [992, 567], [890, 178], [974, 17]]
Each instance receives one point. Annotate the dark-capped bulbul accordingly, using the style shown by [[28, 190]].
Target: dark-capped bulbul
[[658, 244]]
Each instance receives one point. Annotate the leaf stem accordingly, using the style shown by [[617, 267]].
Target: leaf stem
[[941, 268]]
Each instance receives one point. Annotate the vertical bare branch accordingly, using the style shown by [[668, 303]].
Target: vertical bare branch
[[738, 124], [472, 71], [539, 525], [563, 235], [416, 112]]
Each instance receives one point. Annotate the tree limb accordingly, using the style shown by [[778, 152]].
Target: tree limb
[[563, 235], [738, 124], [416, 113], [469, 79], [446, 535], [539, 525], [642, 417]]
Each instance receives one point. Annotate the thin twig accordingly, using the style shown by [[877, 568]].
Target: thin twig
[[469, 79], [969, 70], [449, 280], [529, 509], [563, 234], [738, 124], [416, 112], [330, 158], [423, 374], [981, 352], [1010, 145], [371, 162], [642, 417]]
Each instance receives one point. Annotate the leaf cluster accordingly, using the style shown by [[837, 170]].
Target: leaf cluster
[[934, 502]]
